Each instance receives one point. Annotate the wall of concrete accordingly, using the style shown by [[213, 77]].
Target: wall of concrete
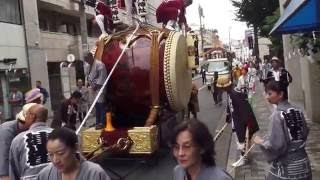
[[36, 55], [65, 6], [311, 85], [12, 45], [293, 65], [58, 45]]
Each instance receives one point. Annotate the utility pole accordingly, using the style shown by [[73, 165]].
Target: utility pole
[[201, 27], [229, 39], [83, 26]]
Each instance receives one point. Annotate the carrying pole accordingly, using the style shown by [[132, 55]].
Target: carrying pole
[[244, 156], [216, 137]]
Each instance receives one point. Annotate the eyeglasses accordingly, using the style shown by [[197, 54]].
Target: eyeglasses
[[183, 147]]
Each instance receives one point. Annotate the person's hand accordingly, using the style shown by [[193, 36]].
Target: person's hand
[[258, 140]]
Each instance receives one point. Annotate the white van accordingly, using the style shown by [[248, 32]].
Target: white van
[[220, 65]]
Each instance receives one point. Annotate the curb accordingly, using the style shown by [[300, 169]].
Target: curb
[[196, 78], [232, 156], [224, 140]]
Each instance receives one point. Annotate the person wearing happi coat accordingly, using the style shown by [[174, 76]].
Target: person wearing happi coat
[[103, 16], [284, 145], [242, 117], [8, 131], [66, 162], [171, 11], [28, 154], [279, 74]]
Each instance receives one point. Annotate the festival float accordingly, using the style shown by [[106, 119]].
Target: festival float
[[149, 80]]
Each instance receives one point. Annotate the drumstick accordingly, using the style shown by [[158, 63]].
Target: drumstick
[[252, 146], [107, 80], [220, 132]]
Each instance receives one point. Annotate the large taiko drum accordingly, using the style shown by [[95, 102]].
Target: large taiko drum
[[153, 73]]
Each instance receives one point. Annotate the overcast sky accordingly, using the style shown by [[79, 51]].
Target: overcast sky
[[219, 14]]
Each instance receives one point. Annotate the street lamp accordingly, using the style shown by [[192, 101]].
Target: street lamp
[[66, 72]]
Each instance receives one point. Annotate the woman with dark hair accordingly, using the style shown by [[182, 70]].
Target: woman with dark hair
[[284, 146], [193, 147], [62, 147]]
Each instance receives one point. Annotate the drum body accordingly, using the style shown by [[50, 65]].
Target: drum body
[[129, 91]]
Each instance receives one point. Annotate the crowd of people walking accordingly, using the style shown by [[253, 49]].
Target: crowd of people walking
[[284, 144]]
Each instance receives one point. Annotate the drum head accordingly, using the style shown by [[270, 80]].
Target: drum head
[[177, 76]]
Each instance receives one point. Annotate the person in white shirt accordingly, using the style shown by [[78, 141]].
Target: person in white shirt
[[279, 74], [245, 84], [252, 75]]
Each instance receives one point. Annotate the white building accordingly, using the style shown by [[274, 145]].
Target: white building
[[264, 48], [12, 45]]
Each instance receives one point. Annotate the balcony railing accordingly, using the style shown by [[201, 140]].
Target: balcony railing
[[67, 6]]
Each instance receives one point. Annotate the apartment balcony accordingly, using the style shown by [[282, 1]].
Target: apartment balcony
[[58, 45], [70, 7]]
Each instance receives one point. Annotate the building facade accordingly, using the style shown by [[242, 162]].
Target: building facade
[[14, 71], [264, 50], [305, 88], [210, 39]]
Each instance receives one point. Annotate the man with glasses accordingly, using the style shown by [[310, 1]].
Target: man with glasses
[[8, 131], [28, 154]]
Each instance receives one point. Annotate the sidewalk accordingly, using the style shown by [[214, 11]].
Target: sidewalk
[[257, 166]]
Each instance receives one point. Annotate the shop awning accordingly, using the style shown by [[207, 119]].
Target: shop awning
[[299, 16]]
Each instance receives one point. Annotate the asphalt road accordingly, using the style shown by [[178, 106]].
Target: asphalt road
[[160, 165]]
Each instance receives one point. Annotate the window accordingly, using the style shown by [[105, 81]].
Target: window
[[10, 11], [43, 24], [68, 28]]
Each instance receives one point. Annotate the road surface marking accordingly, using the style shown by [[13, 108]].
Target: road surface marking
[[204, 86]]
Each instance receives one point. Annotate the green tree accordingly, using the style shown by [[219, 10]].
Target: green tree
[[276, 48], [254, 13]]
